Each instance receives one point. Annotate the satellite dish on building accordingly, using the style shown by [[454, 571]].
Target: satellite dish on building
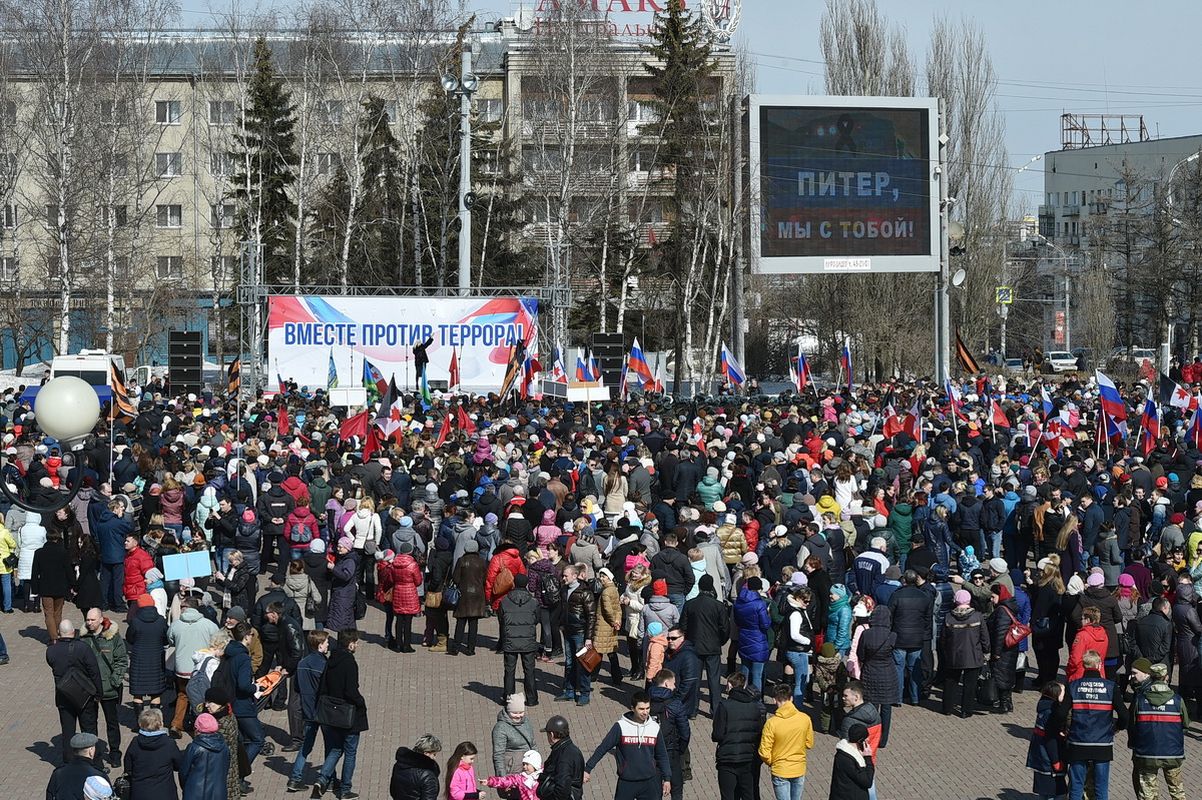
[[1184, 195]]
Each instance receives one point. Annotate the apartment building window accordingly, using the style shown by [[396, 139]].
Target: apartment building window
[[8, 216], [119, 165], [8, 113], [221, 215], [52, 215], [8, 164], [119, 215], [541, 109], [328, 162], [642, 112], [332, 111], [642, 159], [54, 266], [10, 267], [223, 165], [222, 112], [223, 268], [168, 165], [167, 267], [167, 112], [649, 212], [169, 216], [542, 159], [490, 109], [595, 109]]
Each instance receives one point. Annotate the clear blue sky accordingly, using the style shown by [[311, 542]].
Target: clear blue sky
[[1066, 55]]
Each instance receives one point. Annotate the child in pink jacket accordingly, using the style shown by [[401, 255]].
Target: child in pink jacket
[[461, 773], [526, 781]]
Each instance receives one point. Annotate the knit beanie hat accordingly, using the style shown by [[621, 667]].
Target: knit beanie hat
[[206, 723], [962, 597], [659, 588]]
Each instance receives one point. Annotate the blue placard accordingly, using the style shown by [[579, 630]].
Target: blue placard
[[187, 565]]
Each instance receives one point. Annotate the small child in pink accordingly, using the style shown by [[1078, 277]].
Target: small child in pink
[[526, 781]]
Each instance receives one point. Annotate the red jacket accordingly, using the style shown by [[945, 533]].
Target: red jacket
[[751, 532], [297, 489], [301, 515], [403, 576], [137, 562], [506, 557], [1090, 637]]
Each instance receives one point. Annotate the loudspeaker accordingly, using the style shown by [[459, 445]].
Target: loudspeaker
[[185, 362], [438, 386], [610, 351]]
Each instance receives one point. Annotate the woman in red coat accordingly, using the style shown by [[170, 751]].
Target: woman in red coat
[[497, 584], [401, 578]]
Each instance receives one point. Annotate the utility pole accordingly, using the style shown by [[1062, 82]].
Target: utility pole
[[466, 87], [736, 277], [943, 344]]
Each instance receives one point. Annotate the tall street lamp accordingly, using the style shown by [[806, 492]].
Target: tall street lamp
[[464, 86]]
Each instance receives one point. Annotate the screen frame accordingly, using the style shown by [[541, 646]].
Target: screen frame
[[860, 262]]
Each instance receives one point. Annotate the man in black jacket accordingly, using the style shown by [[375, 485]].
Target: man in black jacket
[[519, 623], [738, 723], [682, 660], [1151, 636], [341, 681], [274, 507], [415, 773], [706, 624], [563, 771], [674, 567], [579, 614], [913, 613], [77, 684]]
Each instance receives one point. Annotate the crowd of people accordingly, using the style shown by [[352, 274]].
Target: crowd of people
[[792, 566]]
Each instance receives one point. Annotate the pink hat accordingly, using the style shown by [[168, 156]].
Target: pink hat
[[1126, 580], [206, 723], [962, 597], [346, 543], [248, 516], [1095, 579]]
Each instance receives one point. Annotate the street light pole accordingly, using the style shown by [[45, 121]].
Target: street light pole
[[943, 343], [464, 86], [465, 171]]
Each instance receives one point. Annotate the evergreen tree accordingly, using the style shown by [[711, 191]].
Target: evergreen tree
[[684, 78], [266, 211], [378, 237], [328, 225]]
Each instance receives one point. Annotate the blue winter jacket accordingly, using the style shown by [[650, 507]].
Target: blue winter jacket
[[110, 531], [203, 770], [237, 659], [753, 622]]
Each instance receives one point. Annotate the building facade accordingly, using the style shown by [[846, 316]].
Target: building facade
[[116, 187]]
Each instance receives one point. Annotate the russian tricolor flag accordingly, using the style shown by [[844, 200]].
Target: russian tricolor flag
[[587, 369], [1193, 434], [1046, 401], [845, 362], [1111, 400], [637, 364], [731, 369], [1149, 427]]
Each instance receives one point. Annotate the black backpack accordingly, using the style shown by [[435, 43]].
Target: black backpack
[[223, 680], [75, 686], [548, 586]]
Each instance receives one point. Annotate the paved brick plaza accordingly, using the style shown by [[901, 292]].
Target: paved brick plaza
[[457, 698]]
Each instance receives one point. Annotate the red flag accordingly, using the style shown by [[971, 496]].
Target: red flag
[[893, 424], [372, 443], [282, 423], [454, 381], [443, 432], [1051, 437], [354, 426], [998, 414], [465, 422]]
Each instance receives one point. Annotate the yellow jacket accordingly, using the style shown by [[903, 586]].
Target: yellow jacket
[[8, 546], [787, 735]]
